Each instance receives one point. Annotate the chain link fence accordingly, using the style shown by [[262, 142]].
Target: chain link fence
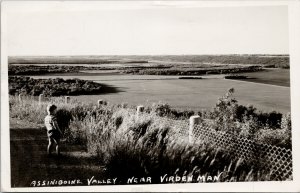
[[277, 160]]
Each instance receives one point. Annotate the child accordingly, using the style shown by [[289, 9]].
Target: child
[[53, 131]]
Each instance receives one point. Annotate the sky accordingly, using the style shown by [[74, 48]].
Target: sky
[[141, 28]]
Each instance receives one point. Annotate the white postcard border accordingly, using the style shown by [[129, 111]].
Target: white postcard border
[[294, 50]]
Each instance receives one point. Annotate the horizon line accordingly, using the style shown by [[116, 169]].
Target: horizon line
[[150, 55]]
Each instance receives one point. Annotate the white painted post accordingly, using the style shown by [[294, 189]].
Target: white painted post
[[67, 99], [139, 110], [194, 120], [41, 98], [20, 97], [89, 113], [100, 102], [124, 105], [92, 117]]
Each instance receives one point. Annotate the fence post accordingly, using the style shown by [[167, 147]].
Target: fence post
[[89, 114], [139, 110], [41, 98], [20, 97], [194, 120], [124, 105], [100, 102], [67, 99]]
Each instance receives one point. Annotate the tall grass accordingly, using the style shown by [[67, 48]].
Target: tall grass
[[142, 147], [69, 116], [129, 146]]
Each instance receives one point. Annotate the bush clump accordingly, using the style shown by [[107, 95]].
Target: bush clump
[[165, 110], [235, 76], [248, 122], [51, 87]]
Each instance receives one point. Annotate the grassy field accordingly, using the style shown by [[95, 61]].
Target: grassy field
[[185, 94], [273, 76]]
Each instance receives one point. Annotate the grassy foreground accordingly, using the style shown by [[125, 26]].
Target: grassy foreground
[[127, 146]]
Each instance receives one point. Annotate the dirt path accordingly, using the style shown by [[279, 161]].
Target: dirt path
[[29, 160]]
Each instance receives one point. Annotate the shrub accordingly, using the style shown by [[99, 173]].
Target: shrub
[[278, 137], [286, 122], [225, 114], [249, 128], [165, 110], [64, 118], [235, 76], [272, 128], [51, 87], [76, 133]]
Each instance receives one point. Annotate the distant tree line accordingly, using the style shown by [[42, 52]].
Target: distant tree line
[[276, 61], [235, 76], [38, 70], [67, 60], [194, 71], [51, 87], [50, 69], [175, 65]]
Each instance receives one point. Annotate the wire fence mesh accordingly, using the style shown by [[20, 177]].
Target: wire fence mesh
[[277, 160]]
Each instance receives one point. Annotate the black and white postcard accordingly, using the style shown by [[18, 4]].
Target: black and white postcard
[[150, 96]]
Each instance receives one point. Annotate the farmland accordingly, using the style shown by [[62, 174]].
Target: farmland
[[265, 60], [273, 76], [147, 65], [184, 94]]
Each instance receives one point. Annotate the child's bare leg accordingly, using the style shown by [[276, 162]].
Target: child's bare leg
[[49, 146], [57, 146], [57, 150]]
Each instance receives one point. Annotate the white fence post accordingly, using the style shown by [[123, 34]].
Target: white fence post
[[89, 113], [20, 97], [194, 120], [124, 105], [67, 99], [100, 102], [41, 98], [139, 110]]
